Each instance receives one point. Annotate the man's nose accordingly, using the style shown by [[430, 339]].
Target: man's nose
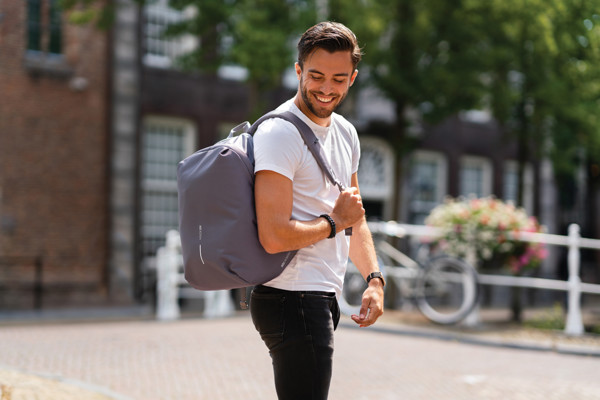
[[326, 87]]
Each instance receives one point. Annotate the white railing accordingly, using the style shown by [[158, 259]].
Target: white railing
[[171, 285], [574, 286]]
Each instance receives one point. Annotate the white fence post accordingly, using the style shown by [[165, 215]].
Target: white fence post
[[574, 325], [472, 319], [167, 270]]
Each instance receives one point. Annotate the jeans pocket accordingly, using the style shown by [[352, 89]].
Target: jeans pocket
[[335, 312], [267, 311]]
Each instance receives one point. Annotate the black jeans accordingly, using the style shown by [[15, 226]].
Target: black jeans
[[297, 328]]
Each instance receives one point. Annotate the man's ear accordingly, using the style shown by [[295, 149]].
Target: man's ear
[[298, 71], [353, 77]]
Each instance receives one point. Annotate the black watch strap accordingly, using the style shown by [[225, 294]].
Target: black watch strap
[[331, 223], [374, 275]]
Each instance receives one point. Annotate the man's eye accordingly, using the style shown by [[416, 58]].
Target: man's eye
[[339, 80], [316, 77]]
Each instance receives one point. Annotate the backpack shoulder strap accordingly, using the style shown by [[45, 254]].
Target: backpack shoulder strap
[[311, 140]]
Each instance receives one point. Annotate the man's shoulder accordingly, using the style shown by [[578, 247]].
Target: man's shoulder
[[276, 130], [342, 122]]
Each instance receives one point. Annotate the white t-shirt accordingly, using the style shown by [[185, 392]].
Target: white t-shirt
[[279, 147]]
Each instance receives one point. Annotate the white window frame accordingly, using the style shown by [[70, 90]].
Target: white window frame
[[164, 186], [376, 174], [157, 17], [376, 185], [512, 167], [481, 163], [416, 207]]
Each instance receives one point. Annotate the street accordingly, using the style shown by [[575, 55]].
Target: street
[[224, 359]]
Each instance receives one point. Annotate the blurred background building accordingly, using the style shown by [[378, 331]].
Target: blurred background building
[[93, 123]]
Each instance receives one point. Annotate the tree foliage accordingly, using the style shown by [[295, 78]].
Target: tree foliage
[[256, 34], [533, 63], [544, 74]]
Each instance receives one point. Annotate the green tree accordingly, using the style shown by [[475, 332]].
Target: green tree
[[422, 55], [99, 12], [542, 83], [533, 63], [264, 33], [210, 24], [255, 34], [541, 65]]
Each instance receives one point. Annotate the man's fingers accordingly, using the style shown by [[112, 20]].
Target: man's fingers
[[364, 310], [363, 315], [371, 308]]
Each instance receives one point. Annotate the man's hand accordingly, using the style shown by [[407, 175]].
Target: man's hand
[[348, 209], [372, 304]]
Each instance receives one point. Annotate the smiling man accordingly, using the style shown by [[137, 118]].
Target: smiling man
[[298, 209]]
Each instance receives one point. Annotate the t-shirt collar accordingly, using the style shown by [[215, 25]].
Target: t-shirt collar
[[320, 131]]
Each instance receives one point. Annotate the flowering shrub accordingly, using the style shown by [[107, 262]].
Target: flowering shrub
[[484, 225]]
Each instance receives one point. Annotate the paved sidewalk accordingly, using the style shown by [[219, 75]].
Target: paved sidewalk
[[16, 385], [224, 359]]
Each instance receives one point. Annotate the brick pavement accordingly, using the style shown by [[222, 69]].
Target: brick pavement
[[224, 359]]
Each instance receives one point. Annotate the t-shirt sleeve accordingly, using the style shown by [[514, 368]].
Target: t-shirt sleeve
[[355, 150], [277, 147]]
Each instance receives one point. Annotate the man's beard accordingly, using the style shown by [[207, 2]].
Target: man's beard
[[320, 113]]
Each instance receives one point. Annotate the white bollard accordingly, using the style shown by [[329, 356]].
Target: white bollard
[[218, 304], [167, 271], [574, 324]]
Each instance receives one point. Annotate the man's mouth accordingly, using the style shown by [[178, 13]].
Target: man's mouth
[[324, 99]]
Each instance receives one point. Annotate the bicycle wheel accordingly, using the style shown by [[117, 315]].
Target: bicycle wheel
[[447, 290]]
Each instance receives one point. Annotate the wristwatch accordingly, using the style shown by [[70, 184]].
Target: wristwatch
[[374, 275]]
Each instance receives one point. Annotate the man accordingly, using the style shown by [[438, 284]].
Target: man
[[298, 208]]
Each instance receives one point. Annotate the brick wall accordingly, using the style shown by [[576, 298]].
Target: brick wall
[[53, 150]]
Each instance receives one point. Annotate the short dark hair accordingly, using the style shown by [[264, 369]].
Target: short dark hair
[[330, 36]]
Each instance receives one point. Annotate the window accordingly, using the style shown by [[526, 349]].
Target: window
[[475, 176], [427, 184], [376, 169], [34, 25], [511, 184], [166, 141], [44, 39], [44, 33], [160, 51], [376, 176]]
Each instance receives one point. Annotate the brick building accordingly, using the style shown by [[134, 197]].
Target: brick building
[[53, 151], [92, 125]]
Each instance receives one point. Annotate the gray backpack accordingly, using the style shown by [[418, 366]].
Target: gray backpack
[[217, 218]]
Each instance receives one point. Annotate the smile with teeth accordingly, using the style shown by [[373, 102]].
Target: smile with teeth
[[324, 99]]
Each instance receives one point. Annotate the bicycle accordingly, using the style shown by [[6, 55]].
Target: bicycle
[[445, 289]]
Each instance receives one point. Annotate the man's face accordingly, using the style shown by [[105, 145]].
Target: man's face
[[324, 83]]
